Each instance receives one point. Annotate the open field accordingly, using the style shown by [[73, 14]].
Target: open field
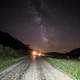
[[71, 67]]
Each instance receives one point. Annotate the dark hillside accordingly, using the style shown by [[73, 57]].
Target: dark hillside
[[73, 54], [7, 40]]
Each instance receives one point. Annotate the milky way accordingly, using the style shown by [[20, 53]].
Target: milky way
[[39, 20]]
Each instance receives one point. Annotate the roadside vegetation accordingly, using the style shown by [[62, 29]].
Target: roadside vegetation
[[71, 67], [8, 56]]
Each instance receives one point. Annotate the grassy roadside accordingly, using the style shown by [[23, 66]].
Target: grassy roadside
[[8, 56], [6, 62], [71, 67]]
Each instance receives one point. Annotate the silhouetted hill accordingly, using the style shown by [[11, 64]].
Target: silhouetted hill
[[7, 40], [55, 54], [73, 54]]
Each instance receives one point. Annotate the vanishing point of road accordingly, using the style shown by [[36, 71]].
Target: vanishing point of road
[[33, 69]]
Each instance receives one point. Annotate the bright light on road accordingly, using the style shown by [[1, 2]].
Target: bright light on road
[[34, 53], [39, 54]]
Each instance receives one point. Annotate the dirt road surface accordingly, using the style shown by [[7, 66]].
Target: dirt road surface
[[38, 69]]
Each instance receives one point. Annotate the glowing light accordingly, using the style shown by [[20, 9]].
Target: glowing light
[[39, 54], [34, 53]]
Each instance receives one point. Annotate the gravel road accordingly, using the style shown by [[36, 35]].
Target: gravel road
[[38, 69], [16, 71]]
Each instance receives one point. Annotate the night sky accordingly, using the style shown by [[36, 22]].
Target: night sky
[[44, 24]]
